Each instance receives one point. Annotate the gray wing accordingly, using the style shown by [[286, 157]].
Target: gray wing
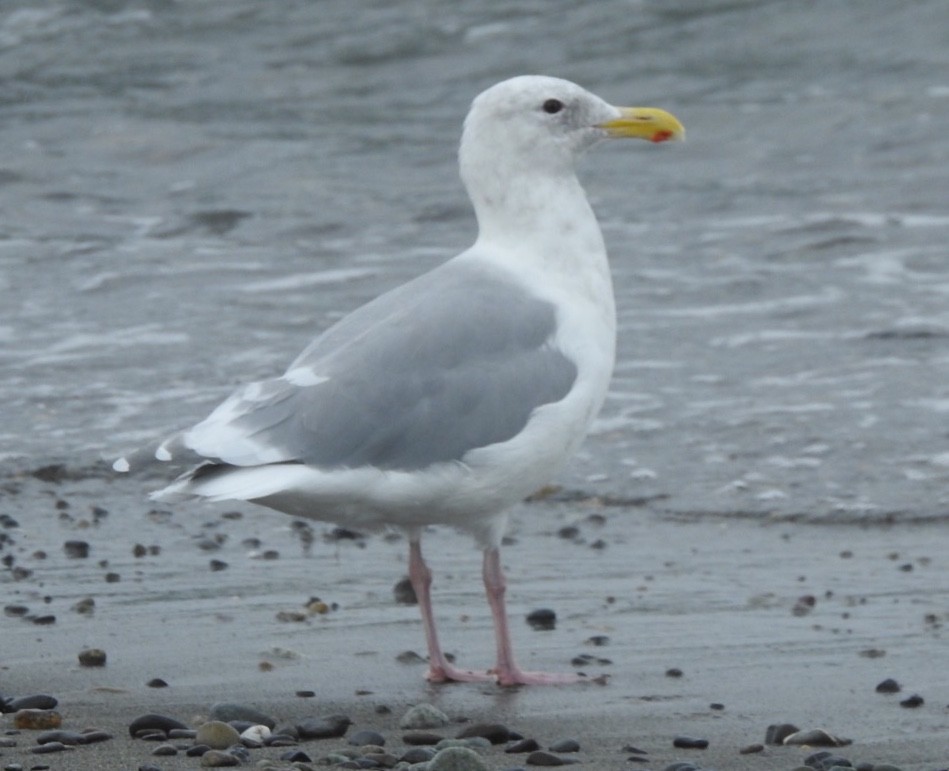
[[454, 360]]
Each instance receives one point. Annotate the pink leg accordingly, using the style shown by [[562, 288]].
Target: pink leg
[[507, 671], [440, 670]]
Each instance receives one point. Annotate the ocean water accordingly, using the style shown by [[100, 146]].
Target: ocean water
[[189, 191]]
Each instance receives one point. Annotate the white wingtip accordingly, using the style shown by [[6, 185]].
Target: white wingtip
[[121, 465]]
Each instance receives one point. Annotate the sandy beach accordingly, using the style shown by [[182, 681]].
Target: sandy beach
[[771, 622]]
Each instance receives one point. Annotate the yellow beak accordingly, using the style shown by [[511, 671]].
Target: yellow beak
[[645, 123]]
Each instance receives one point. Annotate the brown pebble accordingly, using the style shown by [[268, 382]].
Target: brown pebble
[[92, 657], [37, 719]]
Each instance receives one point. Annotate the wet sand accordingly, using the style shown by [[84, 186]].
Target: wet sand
[[713, 596]]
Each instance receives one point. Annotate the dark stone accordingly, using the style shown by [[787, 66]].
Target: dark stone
[[228, 712], [824, 761], [154, 722], [362, 738], [673, 672], [76, 549], [92, 657], [63, 737], [156, 682], [38, 701], [329, 727], [496, 733], [542, 619], [778, 732], [689, 743], [565, 745], [165, 750], [888, 686], [197, 750], [296, 756], [219, 759], [521, 746], [421, 738], [404, 592], [95, 735], [913, 701]]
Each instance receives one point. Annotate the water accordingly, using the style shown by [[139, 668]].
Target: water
[[190, 190]]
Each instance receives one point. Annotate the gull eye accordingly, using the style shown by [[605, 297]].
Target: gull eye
[[552, 106]]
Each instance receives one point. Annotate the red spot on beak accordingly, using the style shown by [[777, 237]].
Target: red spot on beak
[[662, 136]]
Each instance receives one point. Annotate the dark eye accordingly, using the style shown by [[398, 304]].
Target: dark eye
[[553, 106]]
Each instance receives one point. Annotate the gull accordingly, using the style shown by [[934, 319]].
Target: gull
[[450, 398]]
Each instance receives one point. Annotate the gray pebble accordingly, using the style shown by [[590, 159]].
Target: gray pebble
[[76, 549], [824, 761], [49, 747], [218, 759], [362, 738], [227, 712], [418, 755], [457, 759], [197, 750], [423, 716], [565, 745], [542, 758], [888, 686], [94, 735], [165, 750], [296, 756], [472, 742], [815, 737]]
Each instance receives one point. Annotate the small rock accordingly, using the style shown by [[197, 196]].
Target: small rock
[[329, 727], [92, 657], [296, 756], [63, 737], [421, 738], [76, 549], [888, 686], [493, 732], [49, 747], [522, 746], [913, 701], [156, 682], [778, 732], [751, 749], [674, 672], [36, 701], [689, 743], [457, 759], [824, 761], [165, 750], [542, 619], [217, 734], [37, 719], [404, 592], [363, 738], [423, 716], [258, 734], [410, 657], [565, 745], [816, 737], [227, 712], [218, 759], [154, 722], [543, 758], [418, 755], [197, 751]]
